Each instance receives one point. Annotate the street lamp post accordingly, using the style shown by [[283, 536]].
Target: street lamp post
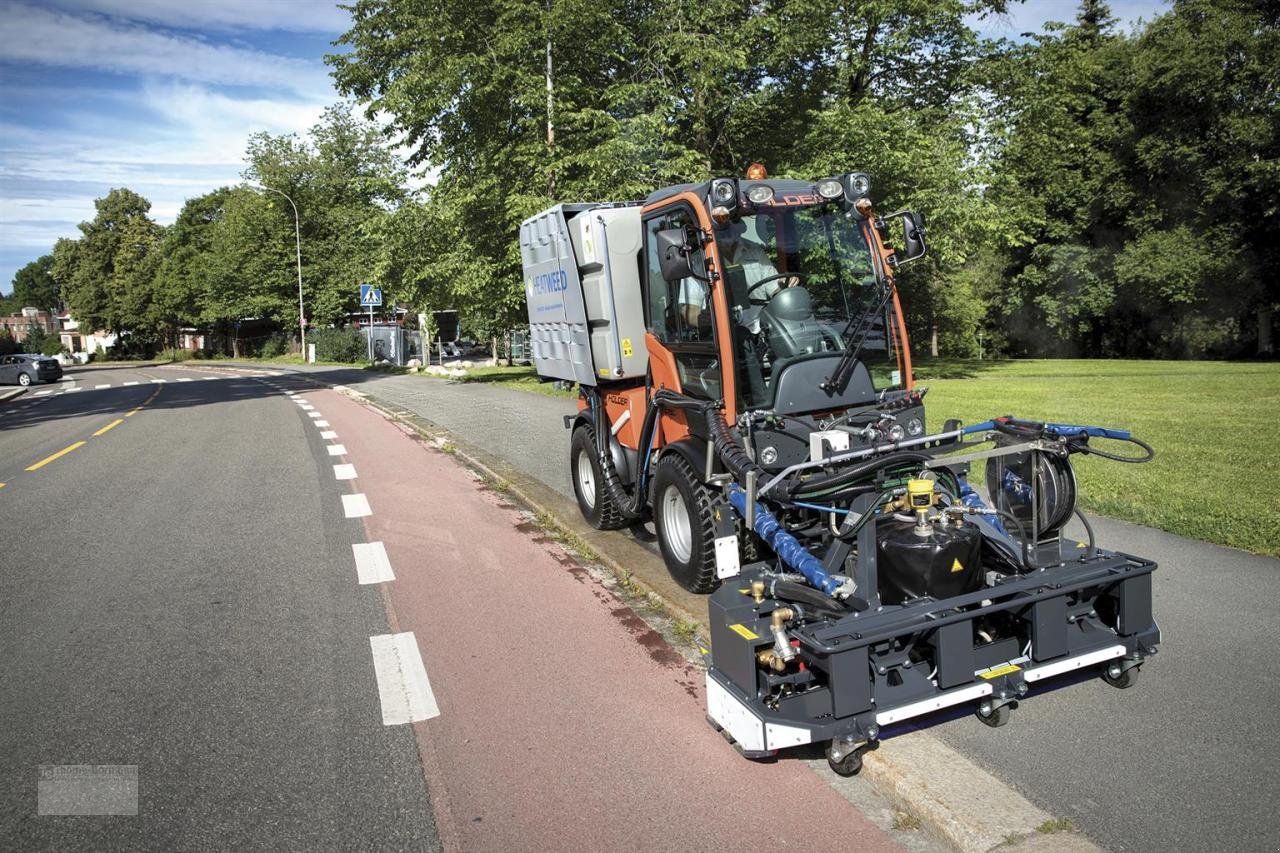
[[297, 236]]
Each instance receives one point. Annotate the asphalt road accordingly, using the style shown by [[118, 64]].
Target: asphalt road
[[174, 597], [304, 629], [1184, 760]]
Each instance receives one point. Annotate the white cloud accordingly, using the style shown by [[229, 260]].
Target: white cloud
[[52, 38], [48, 182], [322, 16]]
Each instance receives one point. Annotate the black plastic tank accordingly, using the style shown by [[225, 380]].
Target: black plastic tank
[[947, 562]]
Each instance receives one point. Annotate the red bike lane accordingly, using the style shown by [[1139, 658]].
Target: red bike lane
[[565, 721]]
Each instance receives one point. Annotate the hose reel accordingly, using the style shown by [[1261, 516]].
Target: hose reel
[[1036, 487]]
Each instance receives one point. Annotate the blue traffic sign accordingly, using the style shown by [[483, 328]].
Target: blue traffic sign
[[370, 296]]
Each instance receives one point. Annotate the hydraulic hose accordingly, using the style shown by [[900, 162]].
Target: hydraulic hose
[[631, 506], [808, 596], [816, 486], [786, 546], [1081, 433], [1088, 528]]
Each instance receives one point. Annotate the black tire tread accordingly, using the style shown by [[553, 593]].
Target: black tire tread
[[608, 516], [704, 564]]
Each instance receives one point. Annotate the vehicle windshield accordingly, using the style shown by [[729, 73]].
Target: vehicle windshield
[[800, 283]]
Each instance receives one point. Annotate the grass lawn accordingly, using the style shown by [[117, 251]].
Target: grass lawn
[[517, 377], [1215, 471]]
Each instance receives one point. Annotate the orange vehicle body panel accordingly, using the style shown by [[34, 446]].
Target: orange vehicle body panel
[[674, 426]]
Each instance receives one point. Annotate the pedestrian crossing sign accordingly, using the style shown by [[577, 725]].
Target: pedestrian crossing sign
[[370, 296]]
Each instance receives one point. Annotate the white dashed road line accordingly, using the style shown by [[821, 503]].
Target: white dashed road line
[[100, 387], [314, 414], [321, 423], [372, 565], [356, 506], [329, 434], [402, 679], [344, 472], [130, 383], [158, 381], [42, 393], [185, 379], [336, 450]]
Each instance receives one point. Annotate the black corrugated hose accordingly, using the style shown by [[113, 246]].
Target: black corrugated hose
[[630, 505]]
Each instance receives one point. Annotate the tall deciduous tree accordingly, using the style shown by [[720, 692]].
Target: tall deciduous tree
[[343, 179], [34, 286], [104, 274]]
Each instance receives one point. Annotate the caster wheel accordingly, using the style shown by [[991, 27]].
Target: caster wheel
[[1124, 680], [847, 766], [996, 718]]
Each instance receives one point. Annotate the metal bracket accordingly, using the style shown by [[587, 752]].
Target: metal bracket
[[1008, 450]]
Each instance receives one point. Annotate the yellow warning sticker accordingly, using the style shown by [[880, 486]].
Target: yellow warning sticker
[[957, 566], [604, 371], [744, 632], [1000, 670], [627, 351]]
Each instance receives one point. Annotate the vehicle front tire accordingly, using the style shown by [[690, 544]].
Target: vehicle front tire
[[24, 380], [682, 516], [594, 501]]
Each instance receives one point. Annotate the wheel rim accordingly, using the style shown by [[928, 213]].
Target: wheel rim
[[676, 529], [586, 479], [24, 379]]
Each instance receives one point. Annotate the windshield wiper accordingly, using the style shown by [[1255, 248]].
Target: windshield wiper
[[839, 378]]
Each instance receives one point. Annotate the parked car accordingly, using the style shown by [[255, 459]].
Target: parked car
[[25, 369]]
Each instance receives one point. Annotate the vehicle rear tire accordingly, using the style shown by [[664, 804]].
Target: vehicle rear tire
[[24, 380], [594, 501], [682, 516]]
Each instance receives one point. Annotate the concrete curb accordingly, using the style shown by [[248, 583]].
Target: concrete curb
[[956, 801], [10, 393]]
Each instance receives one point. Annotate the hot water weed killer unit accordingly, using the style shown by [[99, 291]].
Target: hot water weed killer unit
[[745, 384]]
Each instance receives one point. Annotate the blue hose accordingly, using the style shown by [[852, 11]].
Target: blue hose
[[786, 546], [1060, 429]]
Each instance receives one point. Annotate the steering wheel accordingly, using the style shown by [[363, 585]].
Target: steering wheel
[[794, 279]]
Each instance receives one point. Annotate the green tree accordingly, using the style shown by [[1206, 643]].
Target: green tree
[[183, 280], [1204, 167], [34, 285], [105, 275], [344, 180]]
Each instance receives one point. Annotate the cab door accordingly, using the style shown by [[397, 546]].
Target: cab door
[[680, 315]]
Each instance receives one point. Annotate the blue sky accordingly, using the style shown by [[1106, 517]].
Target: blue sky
[[161, 96]]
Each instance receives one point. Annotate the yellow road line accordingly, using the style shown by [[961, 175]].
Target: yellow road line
[[114, 423], [140, 406], [63, 452]]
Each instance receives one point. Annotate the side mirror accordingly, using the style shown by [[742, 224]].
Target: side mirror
[[913, 245], [675, 254]]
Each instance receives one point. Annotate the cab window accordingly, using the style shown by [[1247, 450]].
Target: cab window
[[679, 313]]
